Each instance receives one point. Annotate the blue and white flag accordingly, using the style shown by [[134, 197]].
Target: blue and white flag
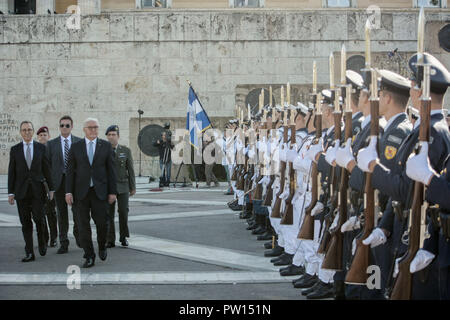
[[197, 120]]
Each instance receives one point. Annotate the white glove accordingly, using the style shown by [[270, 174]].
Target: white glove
[[330, 155], [422, 259], [395, 274], [353, 246], [335, 222], [367, 155], [291, 154], [345, 155], [418, 166], [318, 208], [285, 194], [239, 146], [251, 153], [313, 150], [376, 238], [351, 224], [282, 153]]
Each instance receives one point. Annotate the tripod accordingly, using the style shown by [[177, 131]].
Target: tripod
[[162, 179]]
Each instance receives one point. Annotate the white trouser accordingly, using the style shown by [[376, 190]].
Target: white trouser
[[325, 275]]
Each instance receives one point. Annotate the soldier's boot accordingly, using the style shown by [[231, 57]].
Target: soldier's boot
[[323, 291], [248, 212], [275, 252], [260, 220], [284, 260], [269, 231], [307, 281], [292, 270], [307, 291]]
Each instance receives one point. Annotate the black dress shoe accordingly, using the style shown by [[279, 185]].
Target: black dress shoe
[[62, 249], [252, 226], [265, 236], [247, 215], [259, 230], [52, 243], [292, 270], [236, 208], [306, 281], [89, 262], [298, 279], [284, 260], [339, 290], [268, 245], [43, 249], [275, 252], [307, 291], [110, 245], [28, 257], [102, 254], [124, 243], [323, 291]]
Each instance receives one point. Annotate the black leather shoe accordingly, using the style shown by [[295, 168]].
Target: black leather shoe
[[236, 208], [306, 281], [275, 252], [323, 291], [28, 257], [268, 245], [102, 254], [110, 245], [89, 262], [247, 215], [252, 226], [259, 230], [307, 291], [43, 249], [124, 243], [52, 243], [62, 249], [284, 260], [298, 279], [265, 236], [292, 270]]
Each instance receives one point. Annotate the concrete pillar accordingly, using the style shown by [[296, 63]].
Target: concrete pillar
[[42, 6], [90, 6]]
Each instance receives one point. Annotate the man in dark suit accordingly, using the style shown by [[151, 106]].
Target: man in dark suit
[[28, 168], [58, 153], [90, 184]]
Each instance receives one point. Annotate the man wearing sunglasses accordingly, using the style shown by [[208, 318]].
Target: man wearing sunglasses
[[58, 149]]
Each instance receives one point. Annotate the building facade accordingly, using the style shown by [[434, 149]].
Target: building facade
[[124, 59]]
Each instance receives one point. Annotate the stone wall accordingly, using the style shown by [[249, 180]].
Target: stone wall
[[118, 63]]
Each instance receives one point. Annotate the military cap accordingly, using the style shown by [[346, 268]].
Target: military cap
[[355, 79], [327, 98], [439, 75], [112, 128], [393, 82], [42, 129], [278, 108], [301, 108]]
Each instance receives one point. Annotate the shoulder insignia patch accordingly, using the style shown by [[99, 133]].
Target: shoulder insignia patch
[[394, 139], [390, 152]]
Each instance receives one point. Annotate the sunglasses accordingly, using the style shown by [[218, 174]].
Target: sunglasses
[[64, 125]]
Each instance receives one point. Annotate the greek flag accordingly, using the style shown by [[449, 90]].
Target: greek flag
[[197, 120]]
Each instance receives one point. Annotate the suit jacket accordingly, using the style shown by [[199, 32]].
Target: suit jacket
[[20, 177], [56, 157], [126, 180], [80, 171]]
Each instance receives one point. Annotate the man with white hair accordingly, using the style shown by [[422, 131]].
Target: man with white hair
[[90, 185]]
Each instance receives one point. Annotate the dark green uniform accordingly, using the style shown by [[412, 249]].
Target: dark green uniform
[[125, 183]]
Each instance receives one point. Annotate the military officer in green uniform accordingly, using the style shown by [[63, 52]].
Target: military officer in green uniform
[[126, 187]]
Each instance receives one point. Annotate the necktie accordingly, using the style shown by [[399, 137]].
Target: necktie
[[66, 153], [114, 152], [91, 152], [28, 156], [91, 157]]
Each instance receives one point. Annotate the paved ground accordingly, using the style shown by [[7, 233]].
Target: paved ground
[[184, 244]]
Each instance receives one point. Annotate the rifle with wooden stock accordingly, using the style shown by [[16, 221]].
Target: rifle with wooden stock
[[357, 273], [417, 231], [307, 229], [333, 256], [259, 188], [269, 193], [277, 206], [288, 214]]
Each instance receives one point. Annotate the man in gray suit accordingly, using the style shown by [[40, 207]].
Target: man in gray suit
[[58, 150]]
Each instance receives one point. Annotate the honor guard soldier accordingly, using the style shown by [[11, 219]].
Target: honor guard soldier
[[399, 186], [126, 187]]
